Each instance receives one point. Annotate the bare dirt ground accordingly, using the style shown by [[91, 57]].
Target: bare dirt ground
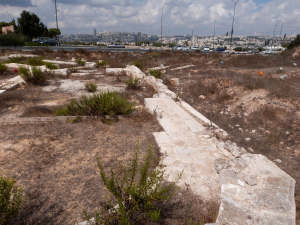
[[56, 164]]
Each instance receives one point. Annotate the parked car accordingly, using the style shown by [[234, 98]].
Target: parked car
[[41, 39], [195, 48], [219, 49], [51, 42], [206, 48], [37, 40], [116, 45], [178, 47], [270, 52], [185, 48], [252, 51]]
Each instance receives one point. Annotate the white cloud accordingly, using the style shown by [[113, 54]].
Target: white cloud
[[179, 16]]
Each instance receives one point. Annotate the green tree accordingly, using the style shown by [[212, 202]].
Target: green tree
[[295, 43], [53, 32], [30, 25]]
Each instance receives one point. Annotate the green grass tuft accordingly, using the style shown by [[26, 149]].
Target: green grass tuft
[[35, 61], [155, 73], [91, 87], [132, 83], [3, 68], [50, 66], [109, 103], [102, 63], [80, 62], [35, 76]]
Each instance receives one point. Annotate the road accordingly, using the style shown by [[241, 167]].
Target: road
[[74, 47], [102, 48]]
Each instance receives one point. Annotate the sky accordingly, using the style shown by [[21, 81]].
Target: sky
[[174, 17]]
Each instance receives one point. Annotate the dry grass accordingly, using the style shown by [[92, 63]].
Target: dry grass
[[65, 152]]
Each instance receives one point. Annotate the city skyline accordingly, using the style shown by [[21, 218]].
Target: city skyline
[[175, 17]]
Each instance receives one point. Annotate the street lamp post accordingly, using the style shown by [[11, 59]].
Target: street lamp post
[[57, 36], [214, 34], [162, 14], [234, 2], [274, 32]]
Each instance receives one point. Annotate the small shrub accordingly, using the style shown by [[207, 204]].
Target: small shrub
[[155, 73], [35, 61], [80, 62], [11, 199], [50, 66], [110, 103], [135, 193], [19, 60], [73, 70], [138, 64], [24, 71], [91, 87], [3, 68], [132, 83], [102, 63], [36, 76]]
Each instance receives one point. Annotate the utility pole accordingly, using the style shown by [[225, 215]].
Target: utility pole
[[280, 39], [274, 32], [192, 41], [57, 36], [162, 14], [234, 2], [214, 35]]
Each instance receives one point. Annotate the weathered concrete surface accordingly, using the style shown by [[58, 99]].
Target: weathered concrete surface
[[116, 71], [187, 147], [11, 84], [63, 72], [161, 89], [130, 70], [174, 82], [251, 188], [161, 67], [17, 65], [60, 62], [21, 55], [183, 67], [254, 191], [135, 72]]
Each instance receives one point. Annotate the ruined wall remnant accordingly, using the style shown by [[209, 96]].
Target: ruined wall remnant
[[251, 188], [8, 29]]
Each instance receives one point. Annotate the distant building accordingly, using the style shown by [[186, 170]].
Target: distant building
[[139, 35], [8, 29], [95, 32]]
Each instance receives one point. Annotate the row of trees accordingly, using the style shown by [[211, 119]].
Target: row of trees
[[30, 26]]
